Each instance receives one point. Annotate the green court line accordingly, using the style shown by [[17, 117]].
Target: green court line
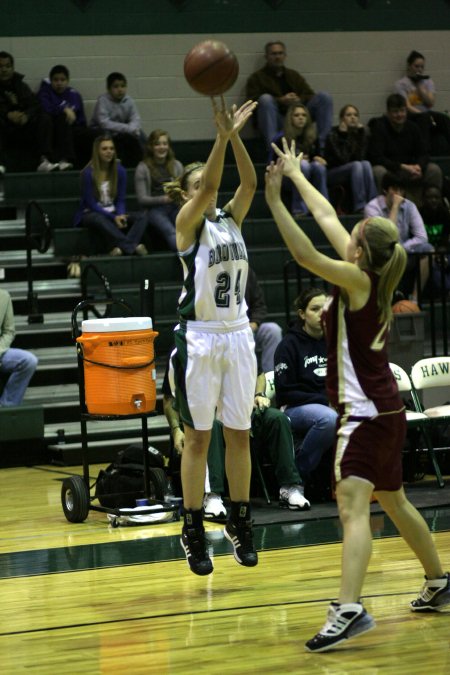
[[167, 548]]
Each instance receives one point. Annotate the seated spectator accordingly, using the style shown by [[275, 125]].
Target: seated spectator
[[435, 212], [267, 334], [116, 113], [102, 208], [299, 127], [276, 87], [392, 204], [300, 373], [158, 167], [17, 364], [345, 154], [396, 145], [72, 141], [420, 94], [272, 436], [23, 123]]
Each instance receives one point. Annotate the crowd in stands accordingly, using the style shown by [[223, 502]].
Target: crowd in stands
[[346, 162], [383, 168]]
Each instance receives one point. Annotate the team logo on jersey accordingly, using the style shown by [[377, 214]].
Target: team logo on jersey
[[224, 252]]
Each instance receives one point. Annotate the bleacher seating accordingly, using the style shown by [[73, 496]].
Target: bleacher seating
[[50, 412]]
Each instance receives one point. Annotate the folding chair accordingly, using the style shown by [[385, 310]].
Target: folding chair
[[417, 419], [434, 373], [256, 464]]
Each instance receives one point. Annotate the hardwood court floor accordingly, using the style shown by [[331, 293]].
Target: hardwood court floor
[[86, 598]]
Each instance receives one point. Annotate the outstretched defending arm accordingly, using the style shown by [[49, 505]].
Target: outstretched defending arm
[[324, 214], [344, 274]]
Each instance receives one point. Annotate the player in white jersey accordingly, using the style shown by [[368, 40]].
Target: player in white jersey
[[214, 363], [371, 419]]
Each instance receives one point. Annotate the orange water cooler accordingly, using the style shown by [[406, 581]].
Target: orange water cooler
[[119, 365]]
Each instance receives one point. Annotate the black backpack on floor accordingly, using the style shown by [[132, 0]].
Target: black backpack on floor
[[122, 482]]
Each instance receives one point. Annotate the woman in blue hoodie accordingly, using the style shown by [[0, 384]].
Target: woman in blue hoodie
[[102, 209], [300, 374]]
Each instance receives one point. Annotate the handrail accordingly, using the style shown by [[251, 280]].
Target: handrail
[[38, 235]]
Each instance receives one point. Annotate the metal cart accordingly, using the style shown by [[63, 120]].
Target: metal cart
[[76, 496]]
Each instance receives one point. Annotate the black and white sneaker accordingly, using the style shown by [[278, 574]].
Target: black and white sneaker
[[343, 622], [241, 536], [435, 595], [193, 541], [213, 507], [292, 497]]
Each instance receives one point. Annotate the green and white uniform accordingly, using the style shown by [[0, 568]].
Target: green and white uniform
[[215, 364]]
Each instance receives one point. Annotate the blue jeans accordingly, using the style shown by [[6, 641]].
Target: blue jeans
[[316, 173], [267, 338], [316, 424], [270, 119], [161, 219], [126, 240], [360, 177], [20, 366]]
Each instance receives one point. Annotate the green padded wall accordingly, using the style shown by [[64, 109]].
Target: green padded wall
[[114, 17]]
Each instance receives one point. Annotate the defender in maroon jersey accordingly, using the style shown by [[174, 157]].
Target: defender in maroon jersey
[[371, 427]]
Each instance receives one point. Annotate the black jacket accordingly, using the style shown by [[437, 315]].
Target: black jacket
[[300, 369], [16, 95], [342, 147], [390, 148]]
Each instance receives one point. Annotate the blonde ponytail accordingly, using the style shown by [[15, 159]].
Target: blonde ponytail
[[384, 255], [175, 188]]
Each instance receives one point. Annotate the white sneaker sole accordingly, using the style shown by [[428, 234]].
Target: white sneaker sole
[[359, 629], [215, 516], [443, 602], [295, 507]]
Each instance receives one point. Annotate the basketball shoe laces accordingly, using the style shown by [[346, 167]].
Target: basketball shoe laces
[[197, 544], [243, 537], [336, 624], [430, 589]]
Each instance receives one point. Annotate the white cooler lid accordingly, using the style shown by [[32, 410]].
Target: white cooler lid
[[116, 324]]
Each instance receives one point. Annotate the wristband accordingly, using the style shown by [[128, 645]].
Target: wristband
[[260, 393]]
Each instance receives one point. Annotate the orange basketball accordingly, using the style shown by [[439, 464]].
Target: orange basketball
[[405, 307], [211, 68]]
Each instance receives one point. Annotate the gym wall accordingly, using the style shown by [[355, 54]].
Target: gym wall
[[354, 49]]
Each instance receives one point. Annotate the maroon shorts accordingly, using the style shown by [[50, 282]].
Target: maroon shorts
[[371, 449]]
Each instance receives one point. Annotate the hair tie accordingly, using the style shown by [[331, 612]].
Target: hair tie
[[392, 245]]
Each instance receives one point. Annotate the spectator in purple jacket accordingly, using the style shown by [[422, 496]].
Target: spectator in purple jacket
[[72, 141]]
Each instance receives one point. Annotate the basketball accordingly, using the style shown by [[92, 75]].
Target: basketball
[[211, 68], [405, 307]]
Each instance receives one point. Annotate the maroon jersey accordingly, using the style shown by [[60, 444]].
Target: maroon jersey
[[358, 373]]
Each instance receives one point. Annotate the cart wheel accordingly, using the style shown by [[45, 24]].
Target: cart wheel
[[158, 483], [75, 499]]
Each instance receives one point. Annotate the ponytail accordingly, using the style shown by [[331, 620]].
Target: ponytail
[[390, 275], [384, 255], [175, 188]]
